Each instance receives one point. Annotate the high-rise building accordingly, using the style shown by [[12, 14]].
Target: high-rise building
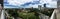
[[39, 7], [45, 5], [58, 4]]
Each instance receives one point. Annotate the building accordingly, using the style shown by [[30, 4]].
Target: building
[[40, 7]]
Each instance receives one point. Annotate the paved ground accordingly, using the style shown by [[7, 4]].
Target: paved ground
[[57, 14]]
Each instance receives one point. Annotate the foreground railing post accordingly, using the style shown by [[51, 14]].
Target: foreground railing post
[[2, 14], [53, 16]]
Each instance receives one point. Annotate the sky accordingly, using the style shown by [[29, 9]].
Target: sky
[[28, 3]]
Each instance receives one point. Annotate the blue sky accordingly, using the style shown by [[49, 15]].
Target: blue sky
[[28, 3]]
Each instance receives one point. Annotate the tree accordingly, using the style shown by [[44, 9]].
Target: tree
[[13, 13]]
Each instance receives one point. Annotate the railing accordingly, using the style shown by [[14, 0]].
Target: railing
[[2, 14], [53, 16]]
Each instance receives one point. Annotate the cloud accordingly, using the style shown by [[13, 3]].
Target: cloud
[[29, 3], [15, 2], [23, 3], [10, 7], [52, 4]]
